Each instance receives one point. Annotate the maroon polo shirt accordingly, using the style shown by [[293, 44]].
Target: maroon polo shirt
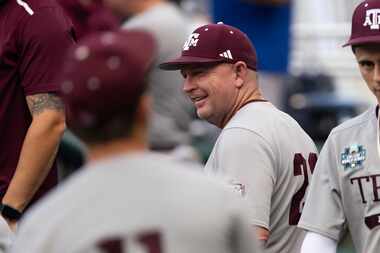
[[33, 38]]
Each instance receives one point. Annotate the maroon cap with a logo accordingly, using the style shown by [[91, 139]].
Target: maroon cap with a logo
[[365, 23], [104, 74], [215, 43]]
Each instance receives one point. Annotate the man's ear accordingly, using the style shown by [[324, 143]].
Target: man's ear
[[241, 71]]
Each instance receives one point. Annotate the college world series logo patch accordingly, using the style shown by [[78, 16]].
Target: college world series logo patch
[[353, 157]]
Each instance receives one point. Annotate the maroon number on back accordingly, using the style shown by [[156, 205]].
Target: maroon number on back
[[300, 167], [111, 245], [151, 241]]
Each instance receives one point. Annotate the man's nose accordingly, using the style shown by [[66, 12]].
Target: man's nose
[[188, 84], [376, 77]]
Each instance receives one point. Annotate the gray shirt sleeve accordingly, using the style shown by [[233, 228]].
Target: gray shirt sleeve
[[323, 212], [248, 162]]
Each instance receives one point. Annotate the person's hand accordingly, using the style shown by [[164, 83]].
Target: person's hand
[[6, 235], [12, 224]]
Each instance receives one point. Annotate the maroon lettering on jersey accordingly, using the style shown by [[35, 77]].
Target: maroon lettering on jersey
[[111, 245], [372, 221], [150, 240], [33, 38], [360, 185], [300, 168], [376, 187], [364, 181]]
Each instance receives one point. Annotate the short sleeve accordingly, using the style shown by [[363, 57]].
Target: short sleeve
[[323, 210], [240, 232], [248, 162], [42, 40]]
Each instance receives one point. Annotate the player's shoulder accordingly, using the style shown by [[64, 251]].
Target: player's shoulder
[[38, 4], [355, 123], [30, 7], [35, 14], [264, 119]]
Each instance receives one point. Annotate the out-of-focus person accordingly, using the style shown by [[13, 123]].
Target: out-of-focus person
[[127, 198], [89, 16], [172, 112], [33, 36]]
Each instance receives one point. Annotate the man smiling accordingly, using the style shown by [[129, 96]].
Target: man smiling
[[261, 151]]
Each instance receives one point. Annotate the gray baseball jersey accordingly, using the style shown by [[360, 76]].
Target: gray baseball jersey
[[345, 188], [267, 156], [141, 203]]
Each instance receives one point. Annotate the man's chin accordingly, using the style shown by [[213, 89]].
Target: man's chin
[[202, 115], [206, 116]]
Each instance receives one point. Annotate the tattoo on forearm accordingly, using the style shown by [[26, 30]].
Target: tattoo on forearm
[[40, 102]]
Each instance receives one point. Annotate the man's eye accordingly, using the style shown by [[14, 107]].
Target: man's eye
[[184, 75], [198, 72], [366, 64]]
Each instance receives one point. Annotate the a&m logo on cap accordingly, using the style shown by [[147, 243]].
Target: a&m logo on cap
[[192, 41], [372, 19], [353, 156]]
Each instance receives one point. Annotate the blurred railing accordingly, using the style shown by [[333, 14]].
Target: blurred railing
[[317, 48]]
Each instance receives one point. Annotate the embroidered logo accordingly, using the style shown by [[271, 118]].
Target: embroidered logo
[[227, 54], [372, 19], [238, 187], [353, 156], [192, 41]]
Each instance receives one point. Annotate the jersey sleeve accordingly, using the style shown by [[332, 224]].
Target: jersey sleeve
[[248, 161], [43, 39], [323, 210], [241, 234]]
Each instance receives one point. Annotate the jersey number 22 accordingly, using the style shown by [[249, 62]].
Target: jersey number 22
[[300, 168]]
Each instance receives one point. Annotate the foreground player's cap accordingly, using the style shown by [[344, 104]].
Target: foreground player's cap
[[104, 74], [215, 43], [365, 24]]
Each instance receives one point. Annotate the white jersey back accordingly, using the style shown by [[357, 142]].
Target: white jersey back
[[345, 191], [140, 203], [267, 156]]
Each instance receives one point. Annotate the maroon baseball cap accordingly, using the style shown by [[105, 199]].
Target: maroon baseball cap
[[365, 24], [215, 43], [104, 74]]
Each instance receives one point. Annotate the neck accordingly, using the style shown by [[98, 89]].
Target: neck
[[136, 142], [114, 148], [243, 98]]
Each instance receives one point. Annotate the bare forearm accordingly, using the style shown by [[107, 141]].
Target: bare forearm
[[36, 158], [39, 149], [262, 235]]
